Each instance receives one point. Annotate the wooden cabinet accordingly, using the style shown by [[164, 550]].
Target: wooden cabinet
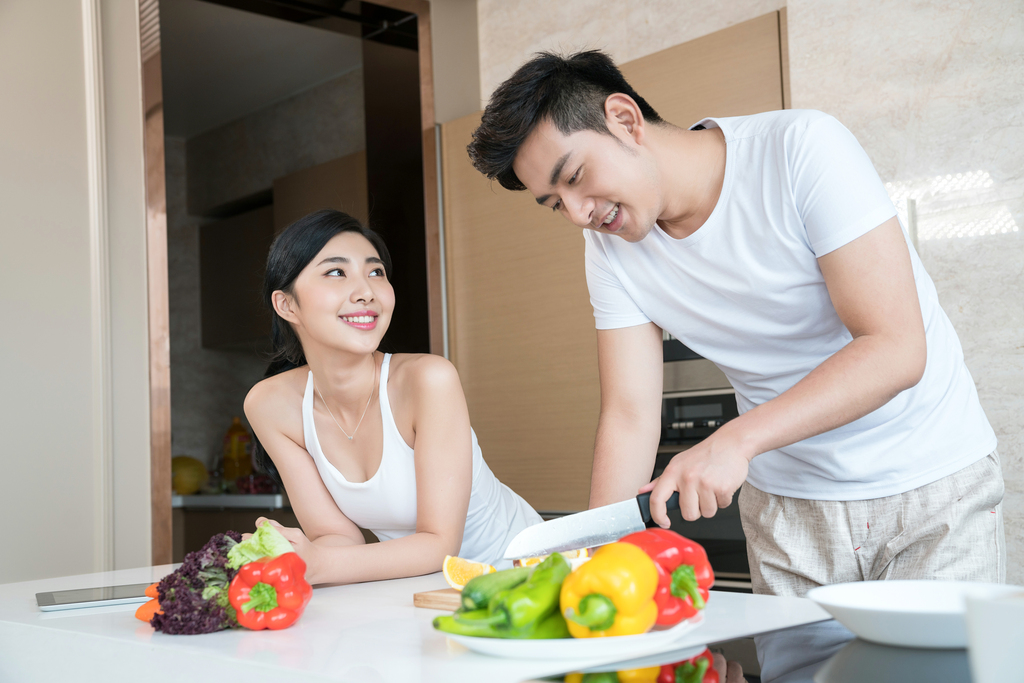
[[339, 184], [521, 327], [732, 72], [521, 331], [232, 258]]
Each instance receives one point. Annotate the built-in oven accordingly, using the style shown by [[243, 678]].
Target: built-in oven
[[697, 400]]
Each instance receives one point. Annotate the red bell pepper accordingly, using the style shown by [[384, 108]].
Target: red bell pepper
[[684, 573], [699, 669], [271, 592]]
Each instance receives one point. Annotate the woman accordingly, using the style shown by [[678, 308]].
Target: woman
[[361, 438]]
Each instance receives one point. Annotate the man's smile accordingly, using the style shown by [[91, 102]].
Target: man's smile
[[613, 220]]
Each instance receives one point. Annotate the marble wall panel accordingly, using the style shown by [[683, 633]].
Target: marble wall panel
[[935, 94], [243, 157], [510, 32]]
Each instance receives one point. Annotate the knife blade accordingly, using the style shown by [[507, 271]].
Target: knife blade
[[605, 524]]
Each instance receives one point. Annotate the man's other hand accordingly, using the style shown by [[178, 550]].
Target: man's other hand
[[728, 672]]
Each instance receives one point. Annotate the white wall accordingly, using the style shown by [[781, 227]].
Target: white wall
[[55, 490], [129, 301], [44, 289]]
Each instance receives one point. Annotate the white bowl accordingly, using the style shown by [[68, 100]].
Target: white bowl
[[906, 613]]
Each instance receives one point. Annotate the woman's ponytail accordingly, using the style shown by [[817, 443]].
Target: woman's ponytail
[[259, 454]]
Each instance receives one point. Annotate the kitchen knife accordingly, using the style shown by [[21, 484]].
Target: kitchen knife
[[599, 526]]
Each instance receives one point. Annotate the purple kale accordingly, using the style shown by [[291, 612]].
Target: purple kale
[[185, 612], [215, 552], [193, 598]]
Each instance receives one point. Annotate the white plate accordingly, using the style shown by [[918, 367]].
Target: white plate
[[905, 613], [572, 648]]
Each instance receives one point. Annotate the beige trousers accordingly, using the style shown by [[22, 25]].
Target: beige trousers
[[949, 529]]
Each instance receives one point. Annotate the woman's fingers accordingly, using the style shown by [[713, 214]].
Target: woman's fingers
[[292, 535]]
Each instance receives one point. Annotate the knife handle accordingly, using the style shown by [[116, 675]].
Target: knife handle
[[644, 501]]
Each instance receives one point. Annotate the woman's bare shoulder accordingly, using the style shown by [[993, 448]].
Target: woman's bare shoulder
[[276, 401], [423, 376], [423, 371]]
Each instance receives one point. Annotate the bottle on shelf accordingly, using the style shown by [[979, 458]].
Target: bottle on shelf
[[237, 453]]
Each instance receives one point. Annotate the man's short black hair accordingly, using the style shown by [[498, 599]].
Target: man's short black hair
[[571, 91]]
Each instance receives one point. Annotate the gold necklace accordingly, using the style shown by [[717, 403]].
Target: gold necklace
[[374, 386]]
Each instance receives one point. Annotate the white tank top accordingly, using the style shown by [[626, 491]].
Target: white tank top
[[386, 502]]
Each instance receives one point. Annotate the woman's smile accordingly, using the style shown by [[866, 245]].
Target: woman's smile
[[361, 320]]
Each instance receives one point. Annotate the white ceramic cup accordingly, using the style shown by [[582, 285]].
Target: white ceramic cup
[[995, 638]]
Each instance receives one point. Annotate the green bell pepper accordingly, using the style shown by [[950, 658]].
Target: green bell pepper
[[534, 599], [477, 624], [481, 590]]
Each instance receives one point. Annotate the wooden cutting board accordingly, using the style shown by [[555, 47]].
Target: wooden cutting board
[[447, 599]]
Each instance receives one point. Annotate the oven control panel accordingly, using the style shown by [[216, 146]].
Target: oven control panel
[[689, 419]]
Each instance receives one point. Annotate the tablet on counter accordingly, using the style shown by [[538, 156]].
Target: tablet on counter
[[92, 597]]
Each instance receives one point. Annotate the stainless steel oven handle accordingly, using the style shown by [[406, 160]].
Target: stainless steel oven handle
[[698, 392]]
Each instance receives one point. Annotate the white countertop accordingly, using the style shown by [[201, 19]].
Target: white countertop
[[361, 633]]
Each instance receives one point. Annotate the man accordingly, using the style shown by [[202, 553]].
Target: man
[[768, 245]]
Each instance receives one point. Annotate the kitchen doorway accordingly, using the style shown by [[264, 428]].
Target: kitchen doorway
[[258, 112]]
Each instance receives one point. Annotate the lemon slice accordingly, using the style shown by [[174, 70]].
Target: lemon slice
[[458, 572]]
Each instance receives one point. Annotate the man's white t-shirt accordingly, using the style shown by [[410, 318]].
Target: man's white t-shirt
[[745, 291]]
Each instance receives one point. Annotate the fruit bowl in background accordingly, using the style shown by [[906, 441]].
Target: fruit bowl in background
[[255, 484], [188, 475]]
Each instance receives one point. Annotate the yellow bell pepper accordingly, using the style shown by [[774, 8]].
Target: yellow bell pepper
[[612, 594], [646, 675]]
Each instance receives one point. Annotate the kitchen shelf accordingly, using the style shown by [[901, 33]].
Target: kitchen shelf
[[228, 501]]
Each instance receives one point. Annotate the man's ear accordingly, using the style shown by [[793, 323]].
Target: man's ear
[[623, 116], [284, 305]]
